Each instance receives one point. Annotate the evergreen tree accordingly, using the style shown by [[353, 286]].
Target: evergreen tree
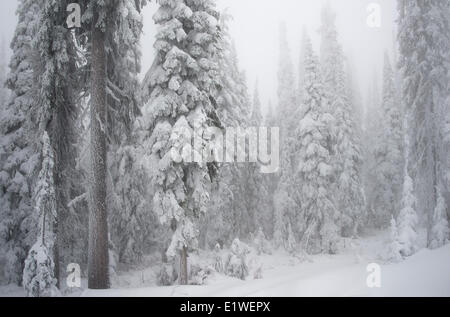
[[257, 117], [286, 208], [424, 45], [313, 174], [180, 88], [98, 257], [407, 219], [301, 65], [372, 131], [394, 246], [345, 148], [19, 150], [230, 214], [39, 278], [440, 232], [57, 111], [129, 198], [110, 37], [286, 85], [389, 148]]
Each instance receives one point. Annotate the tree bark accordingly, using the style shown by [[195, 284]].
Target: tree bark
[[183, 267], [98, 262]]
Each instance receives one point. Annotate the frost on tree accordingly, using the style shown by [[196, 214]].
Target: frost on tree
[[345, 145], [19, 149], [285, 208], [394, 246], [424, 47], [39, 273], [313, 165], [179, 89], [407, 219], [440, 232], [388, 151]]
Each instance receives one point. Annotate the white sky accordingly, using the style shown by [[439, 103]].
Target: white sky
[[255, 29]]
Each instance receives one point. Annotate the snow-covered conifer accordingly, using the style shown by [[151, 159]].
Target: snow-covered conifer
[[424, 46], [180, 90], [407, 220], [440, 232], [39, 278], [19, 150], [394, 246], [314, 171]]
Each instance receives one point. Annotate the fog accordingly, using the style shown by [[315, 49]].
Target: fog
[[255, 30]]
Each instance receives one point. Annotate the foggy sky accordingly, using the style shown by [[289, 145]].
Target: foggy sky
[[255, 29]]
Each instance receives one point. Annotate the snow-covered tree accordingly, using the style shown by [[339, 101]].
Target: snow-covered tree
[[131, 221], [233, 209], [291, 244], [440, 232], [59, 85], [134, 227], [110, 37], [372, 129], [407, 219], [39, 278], [301, 65], [285, 206], [286, 85], [394, 246], [424, 46], [179, 92], [314, 172], [19, 150], [98, 255], [389, 149], [346, 147], [257, 117]]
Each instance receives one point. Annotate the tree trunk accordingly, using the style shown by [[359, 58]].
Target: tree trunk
[[98, 266], [183, 267]]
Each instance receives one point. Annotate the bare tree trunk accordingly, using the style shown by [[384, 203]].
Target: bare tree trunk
[[98, 262], [183, 267]]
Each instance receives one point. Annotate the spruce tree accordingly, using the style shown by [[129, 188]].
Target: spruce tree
[[39, 278], [314, 172], [440, 232], [389, 148], [180, 90], [19, 146], [345, 147], [424, 46]]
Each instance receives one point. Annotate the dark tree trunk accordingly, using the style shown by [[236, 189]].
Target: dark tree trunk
[[183, 267], [98, 266]]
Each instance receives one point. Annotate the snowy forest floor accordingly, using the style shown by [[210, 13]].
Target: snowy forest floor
[[424, 274]]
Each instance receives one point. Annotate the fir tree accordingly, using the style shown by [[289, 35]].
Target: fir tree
[[180, 88], [440, 232], [19, 148], [394, 246], [424, 46], [39, 278], [313, 174], [407, 219]]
